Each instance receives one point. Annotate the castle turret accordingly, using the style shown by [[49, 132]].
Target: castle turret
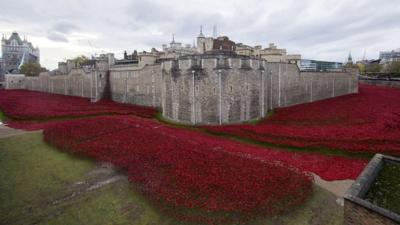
[[201, 46], [350, 59]]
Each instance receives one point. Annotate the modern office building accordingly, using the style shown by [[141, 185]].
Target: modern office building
[[390, 56], [316, 65]]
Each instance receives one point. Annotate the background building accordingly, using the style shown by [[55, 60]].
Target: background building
[[17, 52], [176, 49], [2, 70], [270, 54], [389, 56], [316, 65], [242, 49]]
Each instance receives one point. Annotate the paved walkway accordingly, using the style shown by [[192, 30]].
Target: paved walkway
[[337, 187], [8, 132]]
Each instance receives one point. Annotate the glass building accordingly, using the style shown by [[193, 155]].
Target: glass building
[[316, 65], [389, 56]]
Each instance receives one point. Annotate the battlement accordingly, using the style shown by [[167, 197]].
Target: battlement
[[213, 62], [203, 89]]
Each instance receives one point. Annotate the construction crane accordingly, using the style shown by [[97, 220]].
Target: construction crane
[[95, 54]]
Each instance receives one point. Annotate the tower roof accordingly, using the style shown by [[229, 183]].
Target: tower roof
[[201, 35], [350, 58], [15, 36], [173, 39]]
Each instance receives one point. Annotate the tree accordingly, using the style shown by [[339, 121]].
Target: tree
[[394, 67], [80, 60], [373, 68], [32, 69], [361, 68]]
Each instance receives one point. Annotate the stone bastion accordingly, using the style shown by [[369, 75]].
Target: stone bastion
[[203, 89]]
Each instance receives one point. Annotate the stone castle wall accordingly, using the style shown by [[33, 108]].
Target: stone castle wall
[[233, 90], [14, 81], [136, 85], [78, 82], [206, 89]]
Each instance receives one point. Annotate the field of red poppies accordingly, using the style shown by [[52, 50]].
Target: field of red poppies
[[181, 170], [327, 167], [187, 171], [364, 122], [33, 105]]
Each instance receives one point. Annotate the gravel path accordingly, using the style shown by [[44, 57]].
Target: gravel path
[[8, 132], [337, 187]]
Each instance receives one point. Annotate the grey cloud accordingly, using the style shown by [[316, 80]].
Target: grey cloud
[[149, 12], [65, 27], [317, 29], [57, 37], [59, 31]]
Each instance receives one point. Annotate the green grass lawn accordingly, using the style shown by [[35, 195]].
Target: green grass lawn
[[2, 116], [34, 175], [385, 190]]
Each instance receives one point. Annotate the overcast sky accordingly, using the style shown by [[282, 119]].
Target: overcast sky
[[317, 29]]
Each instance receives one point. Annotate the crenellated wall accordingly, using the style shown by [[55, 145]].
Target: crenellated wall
[[14, 81], [78, 82], [203, 89], [218, 90], [136, 85]]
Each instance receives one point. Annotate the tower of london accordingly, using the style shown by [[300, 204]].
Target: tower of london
[[213, 81]]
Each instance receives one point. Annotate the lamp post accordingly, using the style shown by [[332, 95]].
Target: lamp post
[[220, 96], [193, 99], [262, 93], [126, 87]]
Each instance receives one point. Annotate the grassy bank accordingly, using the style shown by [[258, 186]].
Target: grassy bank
[[34, 177], [41, 185], [385, 191], [2, 116]]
